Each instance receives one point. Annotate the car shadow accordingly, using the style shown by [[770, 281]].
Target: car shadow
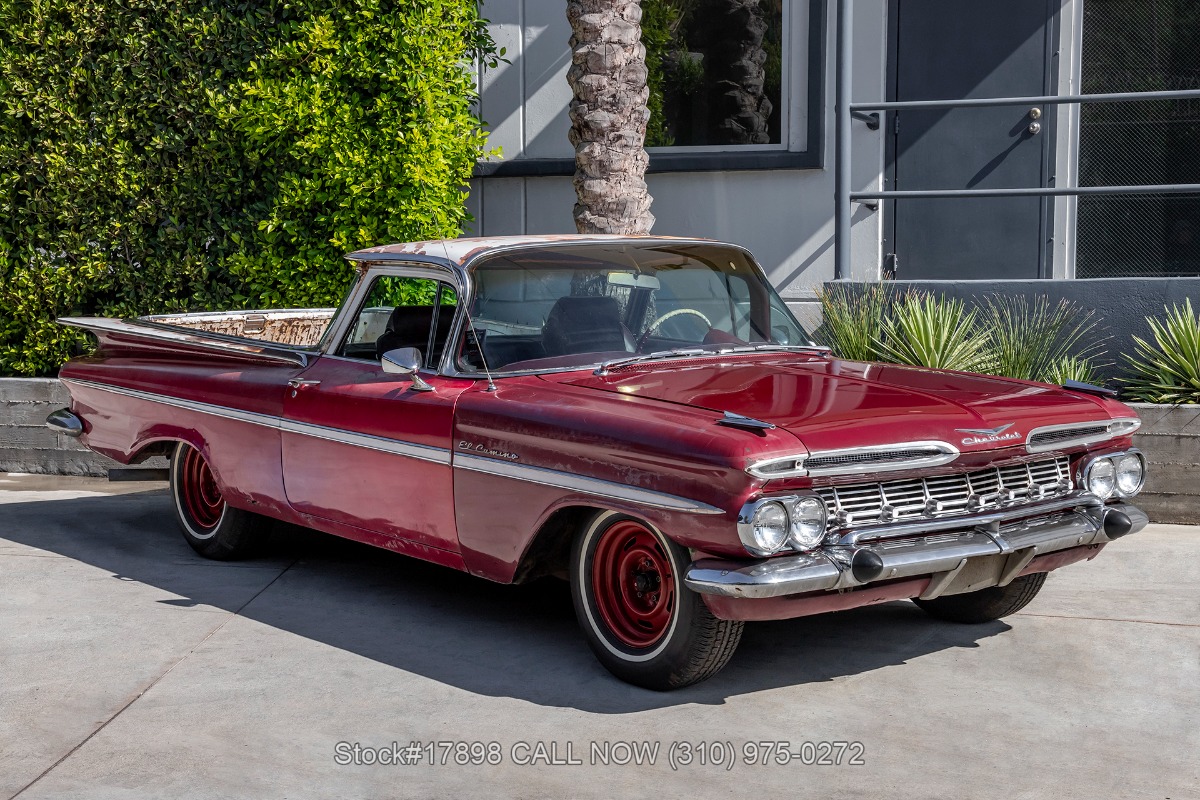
[[488, 638]]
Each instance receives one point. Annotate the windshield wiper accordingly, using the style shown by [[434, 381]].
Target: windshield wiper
[[661, 354], [689, 352]]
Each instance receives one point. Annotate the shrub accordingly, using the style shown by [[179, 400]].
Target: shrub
[[933, 331], [1035, 342], [1167, 371], [159, 156], [852, 320]]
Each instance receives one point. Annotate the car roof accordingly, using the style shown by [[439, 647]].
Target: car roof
[[460, 252]]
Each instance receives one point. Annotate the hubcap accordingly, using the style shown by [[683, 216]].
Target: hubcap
[[198, 490], [633, 583]]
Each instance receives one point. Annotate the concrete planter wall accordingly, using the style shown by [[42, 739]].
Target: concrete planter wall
[[27, 445], [1170, 439]]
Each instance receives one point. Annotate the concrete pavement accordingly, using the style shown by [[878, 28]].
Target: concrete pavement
[[130, 667]]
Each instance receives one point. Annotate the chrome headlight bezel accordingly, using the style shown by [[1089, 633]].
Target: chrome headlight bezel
[[1113, 458], [796, 507], [1141, 459]]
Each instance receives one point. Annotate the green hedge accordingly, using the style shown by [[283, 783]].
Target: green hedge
[[164, 156]]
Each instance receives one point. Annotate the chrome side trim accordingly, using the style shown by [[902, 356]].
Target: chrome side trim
[[942, 557], [421, 452], [581, 483], [64, 422], [946, 453], [252, 417], [1122, 426]]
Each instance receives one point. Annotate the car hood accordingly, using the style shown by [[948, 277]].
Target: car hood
[[832, 404]]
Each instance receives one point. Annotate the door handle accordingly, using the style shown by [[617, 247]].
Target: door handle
[[1035, 128], [299, 383]]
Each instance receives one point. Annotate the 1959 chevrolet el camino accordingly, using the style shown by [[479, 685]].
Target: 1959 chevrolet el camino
[[641, 415]]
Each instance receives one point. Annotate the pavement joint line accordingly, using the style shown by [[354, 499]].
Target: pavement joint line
[[1112, 619], [152, 683]]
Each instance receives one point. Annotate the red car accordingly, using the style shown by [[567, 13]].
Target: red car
[[643, 416]]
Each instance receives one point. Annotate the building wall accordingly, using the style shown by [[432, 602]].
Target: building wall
[[784, 216]]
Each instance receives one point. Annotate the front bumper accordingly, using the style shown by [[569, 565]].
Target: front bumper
[[986, 550]]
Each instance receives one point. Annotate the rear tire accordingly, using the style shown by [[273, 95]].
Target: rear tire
[[644, 625], [988, 604], [211, 526]]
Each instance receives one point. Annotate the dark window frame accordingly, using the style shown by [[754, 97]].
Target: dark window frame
[[812, 157]]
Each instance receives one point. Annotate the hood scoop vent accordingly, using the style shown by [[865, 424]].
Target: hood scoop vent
[[731, 420]]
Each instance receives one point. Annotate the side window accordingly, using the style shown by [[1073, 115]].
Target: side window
[[402, 312]]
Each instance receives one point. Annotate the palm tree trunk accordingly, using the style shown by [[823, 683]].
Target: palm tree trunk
[[608, 116]]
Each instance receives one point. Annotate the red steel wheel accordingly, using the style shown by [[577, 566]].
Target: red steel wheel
[[638, 615], [633, 583], [200, 495], [210, 525]]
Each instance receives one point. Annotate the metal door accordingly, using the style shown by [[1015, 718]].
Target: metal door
[[959, 49]]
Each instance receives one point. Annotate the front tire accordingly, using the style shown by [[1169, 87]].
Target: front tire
[[988, 604], [644, 625], [211, 526]]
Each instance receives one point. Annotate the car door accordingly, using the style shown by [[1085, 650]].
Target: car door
[[369, 449]]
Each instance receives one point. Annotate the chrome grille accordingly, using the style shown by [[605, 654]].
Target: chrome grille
[[1067, 434], [819, 462], [965, 492]]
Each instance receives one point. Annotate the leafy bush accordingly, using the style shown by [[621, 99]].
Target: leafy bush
[[159, 156], [1167, 371]]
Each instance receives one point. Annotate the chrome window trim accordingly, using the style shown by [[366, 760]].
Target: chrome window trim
[[450, 369], [948, 454], [374, 267], [592, 486], [1129, 425]]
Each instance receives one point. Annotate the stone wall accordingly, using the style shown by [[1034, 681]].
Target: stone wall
[[1170, 439]]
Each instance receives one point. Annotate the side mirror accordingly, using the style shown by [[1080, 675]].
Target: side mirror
[[405, 361]]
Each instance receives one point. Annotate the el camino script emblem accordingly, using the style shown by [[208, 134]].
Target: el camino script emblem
[[487, 451], [987, 435]]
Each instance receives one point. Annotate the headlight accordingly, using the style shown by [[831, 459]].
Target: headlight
[[1130, 473], [1101, 478], [808, 522], [769, 527]]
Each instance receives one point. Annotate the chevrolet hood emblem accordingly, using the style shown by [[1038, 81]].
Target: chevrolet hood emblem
[[986, 431]]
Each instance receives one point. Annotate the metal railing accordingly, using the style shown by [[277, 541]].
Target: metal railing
[[847, 112]]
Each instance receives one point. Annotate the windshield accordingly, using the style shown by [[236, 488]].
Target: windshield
[[569, 307]]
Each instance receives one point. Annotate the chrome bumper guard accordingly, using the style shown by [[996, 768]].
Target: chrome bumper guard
[[64, 422], [1016, 534]]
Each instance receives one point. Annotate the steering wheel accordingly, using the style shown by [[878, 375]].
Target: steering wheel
[[677, 312]]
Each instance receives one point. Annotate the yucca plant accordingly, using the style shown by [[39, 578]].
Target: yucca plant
[[933, 331], [852, 320], [1169, 370], [1070, 368], [1036, 342]]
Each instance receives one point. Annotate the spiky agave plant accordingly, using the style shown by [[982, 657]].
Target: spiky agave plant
[[1169, 370], [852, 320], [934, 331], [1035, 341]]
